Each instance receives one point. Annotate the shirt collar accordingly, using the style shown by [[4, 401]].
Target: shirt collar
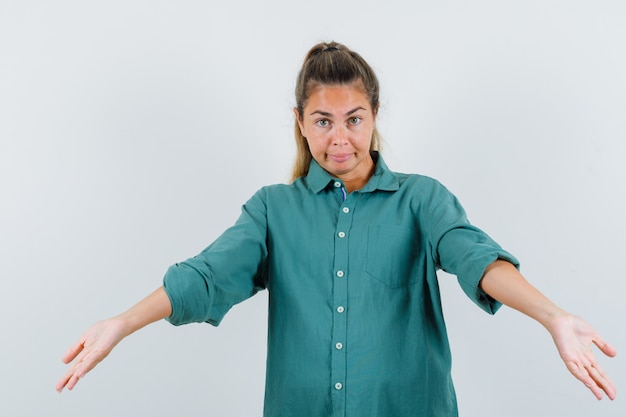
[[383, 178]]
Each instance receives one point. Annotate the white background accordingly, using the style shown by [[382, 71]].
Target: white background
[[132, 131]]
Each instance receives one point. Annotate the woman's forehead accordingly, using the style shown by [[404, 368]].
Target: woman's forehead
[[338, 96], [353, 85]]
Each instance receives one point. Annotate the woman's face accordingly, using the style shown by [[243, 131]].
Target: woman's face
[[338, 123]]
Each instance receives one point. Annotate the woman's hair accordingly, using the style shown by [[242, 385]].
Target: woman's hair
[[331, 64]]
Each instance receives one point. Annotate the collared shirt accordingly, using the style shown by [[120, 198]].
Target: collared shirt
[[355, 320]]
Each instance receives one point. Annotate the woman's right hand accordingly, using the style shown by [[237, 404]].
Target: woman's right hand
[[91, 348], [98, 341]]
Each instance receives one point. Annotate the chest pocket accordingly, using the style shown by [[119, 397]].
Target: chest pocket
[[392, 254]]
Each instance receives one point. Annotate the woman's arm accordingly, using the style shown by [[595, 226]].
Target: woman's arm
[[98, 341], [573, 336]]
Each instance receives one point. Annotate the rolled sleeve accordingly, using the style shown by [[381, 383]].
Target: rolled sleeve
[[463, 249], [230, 270], [188, 289], [466, 252]]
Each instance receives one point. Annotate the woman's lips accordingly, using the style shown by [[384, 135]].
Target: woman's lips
[[343, 157]]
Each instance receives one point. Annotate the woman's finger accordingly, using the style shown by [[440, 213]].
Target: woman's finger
[[604, 346], [73, 351], [602, 380], [81, 356]]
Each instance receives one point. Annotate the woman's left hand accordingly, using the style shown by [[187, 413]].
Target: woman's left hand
[[574, 338]]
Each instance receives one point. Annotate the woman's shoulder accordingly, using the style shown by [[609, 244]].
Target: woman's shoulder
[[423, 190], [413, 180], [277, 190]]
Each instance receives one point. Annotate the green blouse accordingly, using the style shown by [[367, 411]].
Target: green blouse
[[355, 325]]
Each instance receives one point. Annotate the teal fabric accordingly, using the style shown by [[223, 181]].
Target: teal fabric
[[356, 326]]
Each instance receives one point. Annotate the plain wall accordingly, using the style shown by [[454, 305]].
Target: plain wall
[[131, 132]]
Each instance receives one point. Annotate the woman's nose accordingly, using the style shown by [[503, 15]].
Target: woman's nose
[[340, 137]]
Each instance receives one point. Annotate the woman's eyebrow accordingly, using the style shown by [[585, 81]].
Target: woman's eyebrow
[[322, 113], [355, 110], [326, 114]]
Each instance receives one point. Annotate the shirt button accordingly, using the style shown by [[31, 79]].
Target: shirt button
[[340, 274], [339, 346], [338, 386], [341, 234], [346, 210], [337, 184], [340, 309]]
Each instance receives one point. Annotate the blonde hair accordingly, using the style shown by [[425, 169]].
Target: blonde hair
[[331, 64]]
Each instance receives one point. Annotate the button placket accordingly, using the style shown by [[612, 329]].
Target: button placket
[[340, 303]]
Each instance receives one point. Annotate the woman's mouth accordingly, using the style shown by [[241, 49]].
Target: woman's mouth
[[342, 157]]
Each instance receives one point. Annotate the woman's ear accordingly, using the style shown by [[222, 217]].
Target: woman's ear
[[296, 114]]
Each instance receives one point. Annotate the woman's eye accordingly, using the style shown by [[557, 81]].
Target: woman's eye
[[354, 120], [322, 123]]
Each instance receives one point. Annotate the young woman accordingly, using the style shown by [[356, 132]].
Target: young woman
[[348, 252]]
